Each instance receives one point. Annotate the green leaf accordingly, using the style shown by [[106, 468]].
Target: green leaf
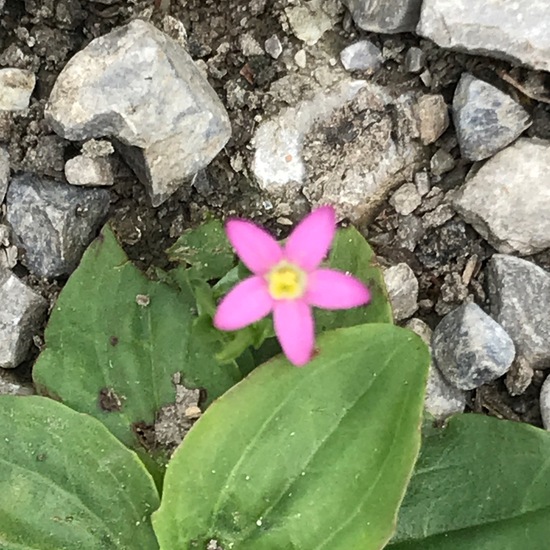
[[115, 340], [67, 483], [303, 459], [352, 254], [206, 249], [480, 483]]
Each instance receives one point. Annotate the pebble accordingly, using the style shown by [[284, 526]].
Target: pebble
[[11, 385], [16, 87], [423, 183], [409, 232], [486, 119], [4, 172], [300, 59], [517, 31], [385, 16], [361, 56], [89, 171], [441, 162], [273, 47], [97, 148], [519, 297], [406, 199], [143, 88], [415, 60], [508, 200], [53, 222], [471, 349], [309, 21], [21, 314], [442, 400], [545, 403], [433, 117], [402, 287]]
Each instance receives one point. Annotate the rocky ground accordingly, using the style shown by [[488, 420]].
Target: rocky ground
[[440, 156]]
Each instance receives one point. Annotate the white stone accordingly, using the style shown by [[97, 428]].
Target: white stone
[[402, 286], [4, 172], [89, 171], [361, 56], [508, 199], [406, 199], [16, 86]]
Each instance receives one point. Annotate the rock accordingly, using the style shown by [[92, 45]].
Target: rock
[[249, 45], [361, 56], [310, 20], [508, 199], [409, 232], [97, 148], [46, 156], [89, 171], [4, 173], [10, 384], [16, 86], [471, 349], [300, 59], [516, 31], [519, 297], [438, 216], [349, 145], [423, 183], [402, 286], [273, 46], [141, 87], [415, 60], [21, 314], [433, 117], [406, 199], [54, 222], [385, 16], [441, 162], [486, 119], [545, 403], [442, 400]]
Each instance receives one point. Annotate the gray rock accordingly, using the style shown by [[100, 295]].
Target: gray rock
[[486, 119], [361, 56], [415, 60], [4, 172], [53, 222], [409, 232], [508, 199], [273, 46], [441, 162], [385, 16], [406, 199], [423, 183], [11, 385], [516, 31], [310, 20], [21, 314], [402, 286], [97, 148], [89, 171], [471, 349], [441, 400], [433, 117], [519, 297], [142, 87], [545, 403], [16, 86]]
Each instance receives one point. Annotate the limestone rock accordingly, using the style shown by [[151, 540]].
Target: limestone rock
[[361, 56], [385, 16], [21, 313], [53, 222], [89, 171], [486, 119], [402, 286], [508, 199], [16, 86], [516, 31], [141, 87]]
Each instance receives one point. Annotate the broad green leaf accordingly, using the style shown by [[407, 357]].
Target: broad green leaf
[[302, 459], [352, 254], [115, 340], [206, 249], [480, 483], [66, 483]]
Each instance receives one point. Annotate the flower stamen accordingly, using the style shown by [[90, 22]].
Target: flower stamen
[[286, 281]]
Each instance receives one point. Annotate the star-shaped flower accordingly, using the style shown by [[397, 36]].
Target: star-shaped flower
[[288, 282]]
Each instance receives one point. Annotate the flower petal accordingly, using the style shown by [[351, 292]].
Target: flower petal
[[247, 303], [310, 241], [330, 289], [293, 322], [257, 249]]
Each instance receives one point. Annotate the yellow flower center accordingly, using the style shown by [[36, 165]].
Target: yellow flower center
[[286, 281]]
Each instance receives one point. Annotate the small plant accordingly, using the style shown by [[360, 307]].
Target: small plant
[[320, 457]]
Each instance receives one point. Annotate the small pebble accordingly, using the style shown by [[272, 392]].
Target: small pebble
[[273, 46], [415, 60], [545, 403], [89, 171], [16, 87], [361, 56], [406, 199], [300, 59], [402, 286]]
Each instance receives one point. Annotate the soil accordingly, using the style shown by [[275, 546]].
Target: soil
[[42, 35]]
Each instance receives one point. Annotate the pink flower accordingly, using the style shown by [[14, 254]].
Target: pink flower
[[288, 282]]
